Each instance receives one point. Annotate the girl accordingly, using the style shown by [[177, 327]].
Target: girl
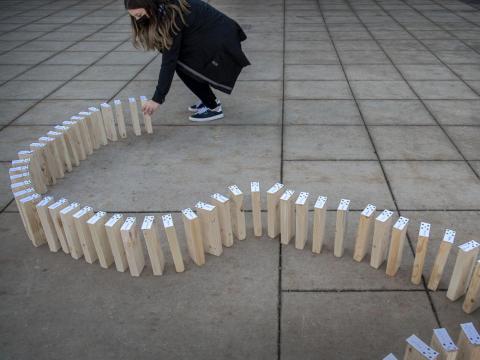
[[198, 42]]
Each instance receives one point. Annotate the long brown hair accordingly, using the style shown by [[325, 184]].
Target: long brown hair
[[157, 31]]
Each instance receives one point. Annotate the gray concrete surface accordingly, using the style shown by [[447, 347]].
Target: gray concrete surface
[[377, 101]]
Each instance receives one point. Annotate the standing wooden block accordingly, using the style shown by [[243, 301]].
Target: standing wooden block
[[443, 344], [47, 223], [238, 216], [397, 244], [70, 143], [256, 208], [20, 161], [273, 209], [441, 259], [100, 132], [80, 219], [462, 272], [96, 225], [341, 227], [122, 129], [30, 160], [32, 220], [109, 122], [46, 161], [54, 210], [18, 195], [84, 134], [364, 232], [90, 125], [319, 218], [147, 119], [53, 156], [193, 233], [468, 343], [381, 233], [152, 239], [66, 215], [209, 222], [112, 227], [62, 149], [77, 138], [223, 207], [17, 170], [172, 239], [418, 350], [287, 217], [19, 186], [17, 178], [420, 253], [133, 246], [301, 220], [472, 298], [134, 114]]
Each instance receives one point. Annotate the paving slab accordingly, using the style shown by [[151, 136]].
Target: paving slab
[[395, 112], [265, 65], [321, 112], [16, 138], [52, 72], [75, 58], [327, 143], [443, 90], [5, 192], [413, 143], [109, 72], [311, 321], [467, 140], [28, 90], [8, 72], [87, 89], [340, 180], [426, 72], [382, 90], [426, 185], [45, 290], [311, 57], [455, 112], [372, 72], [11, 109], [451, 314], [317, 90]]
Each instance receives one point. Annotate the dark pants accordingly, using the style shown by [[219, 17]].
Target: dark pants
[[201, 89]]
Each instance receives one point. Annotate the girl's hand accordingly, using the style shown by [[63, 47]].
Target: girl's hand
[[149, 107]]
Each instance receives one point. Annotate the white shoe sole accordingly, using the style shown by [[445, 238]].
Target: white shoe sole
[[216, 117]]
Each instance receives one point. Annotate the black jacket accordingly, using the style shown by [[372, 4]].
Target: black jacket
[[207, 48]]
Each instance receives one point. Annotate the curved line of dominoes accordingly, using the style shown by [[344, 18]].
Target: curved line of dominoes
[[80, 232]]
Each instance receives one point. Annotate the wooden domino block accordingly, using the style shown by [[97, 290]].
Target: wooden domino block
[[443, 344], [96, 225], [462, 272], [209, 222], [54, 210], [99, 126], [224, 215], [73, 241], [46, 162], [17, 170], [60, 143], [364, 232], [69, 143], [420, 253], [287, 217], [18, 195], [109, 122], [84, 134], [134, 115], [20, 162], [147, 119], [417, 350], [238, 215], [256, 208], [28, 158], [122, 129], [154, 249], [472, 298], [172, 239], [381, 234], [90, 126], [32, 220], [319, 218], [77, 138], [19, 186], [441, 259], [301, 220], [112, 227], [193, 233], [47, 223], [53, 156], [80, 219], [468, 342], [397, 245], [273, 209], [133, 246], [341, 227], [17, 178]]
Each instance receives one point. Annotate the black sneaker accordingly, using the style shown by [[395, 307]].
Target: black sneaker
[[206, 114], [198, 105]]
